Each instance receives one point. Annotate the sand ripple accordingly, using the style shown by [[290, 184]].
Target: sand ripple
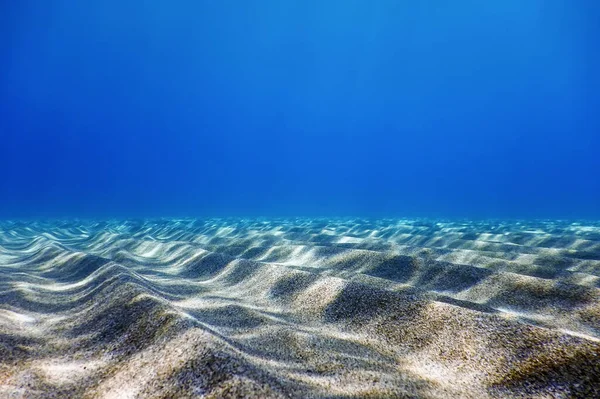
[[299, 308]]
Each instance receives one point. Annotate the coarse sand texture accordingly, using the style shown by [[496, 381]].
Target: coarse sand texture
[[299, 308]]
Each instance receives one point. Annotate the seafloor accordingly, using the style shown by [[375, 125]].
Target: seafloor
[[303, 308]]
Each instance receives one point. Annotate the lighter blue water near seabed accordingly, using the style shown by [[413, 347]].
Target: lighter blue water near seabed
[[276, 108]]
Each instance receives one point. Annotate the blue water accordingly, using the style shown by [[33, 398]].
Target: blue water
[[278, 108]]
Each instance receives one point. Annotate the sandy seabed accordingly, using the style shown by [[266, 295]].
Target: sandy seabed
[[301, 308]]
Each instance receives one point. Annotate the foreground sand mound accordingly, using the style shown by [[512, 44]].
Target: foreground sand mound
[[299, 308]]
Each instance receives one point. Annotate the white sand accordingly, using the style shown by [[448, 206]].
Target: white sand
[[299, 308]]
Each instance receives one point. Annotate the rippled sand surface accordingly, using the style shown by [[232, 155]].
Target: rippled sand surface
[[302, 308]]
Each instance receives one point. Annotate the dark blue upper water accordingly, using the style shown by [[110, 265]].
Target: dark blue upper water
[[273, 107]]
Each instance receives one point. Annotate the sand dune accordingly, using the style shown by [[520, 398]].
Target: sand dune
[[303, 308]]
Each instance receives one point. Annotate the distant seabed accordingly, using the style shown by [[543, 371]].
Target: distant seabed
[[303, 308]]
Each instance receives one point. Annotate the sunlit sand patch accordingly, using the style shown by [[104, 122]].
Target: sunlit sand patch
[[580, 335], [61, 371], [516, 315], [586, 279], [349, 240], [14, 317]]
